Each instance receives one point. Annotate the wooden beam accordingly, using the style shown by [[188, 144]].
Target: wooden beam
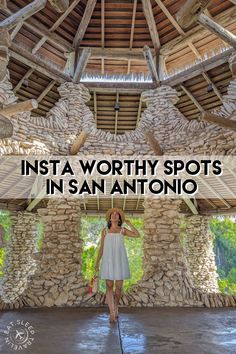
[[37, 27], [116, 113], [46, 90], [6, 128], [37, 200], [139, 110], [192, 98], [199, 68], [16, 29], [191, 205], [233, 1], [116, 53], [25, 77], [148, 13], [84, 22], [46, 67], [60, 5], [23, 14], [189, 12], [81, 65], [5, 42], [133, 24], [55, 25], [69, 68], [114, 86], [220, 121], [153, 142], [224, 18], [170, 17], [217, 29], [24, 106], [232, 64], [219, 211], [95, 107], [215, 89], [78, 143], [102, 24], [3, 4], [152, 67]]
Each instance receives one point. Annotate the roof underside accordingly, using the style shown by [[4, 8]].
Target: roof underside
[[119, 26]]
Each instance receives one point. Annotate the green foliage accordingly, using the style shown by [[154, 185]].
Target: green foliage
[[224, 230], [91, 228], [5, 222], [39, 241]]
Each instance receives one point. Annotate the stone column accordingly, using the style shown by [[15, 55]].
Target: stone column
[[200, 254], [59, 280], [19, 264], [166, 280]]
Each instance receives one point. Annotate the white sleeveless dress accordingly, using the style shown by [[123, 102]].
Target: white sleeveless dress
[[114, 265]]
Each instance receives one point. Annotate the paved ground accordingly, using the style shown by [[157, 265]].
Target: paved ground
[[146, 330]]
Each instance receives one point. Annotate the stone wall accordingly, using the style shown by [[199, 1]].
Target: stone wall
[[56, 132], [167, 280], [199, 253], [19, 263], [58, 280]]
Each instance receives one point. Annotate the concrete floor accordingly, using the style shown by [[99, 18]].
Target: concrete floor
[[139, 330]]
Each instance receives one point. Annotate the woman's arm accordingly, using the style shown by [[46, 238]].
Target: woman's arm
[[131, 233], [100, 251]]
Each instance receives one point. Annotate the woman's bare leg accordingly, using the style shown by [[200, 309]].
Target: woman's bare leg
[[110, 299], [118, 292]]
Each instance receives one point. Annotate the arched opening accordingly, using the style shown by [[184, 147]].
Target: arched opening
[[224, 230], [91, 227]]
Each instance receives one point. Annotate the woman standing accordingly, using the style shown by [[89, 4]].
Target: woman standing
[[115, 265]]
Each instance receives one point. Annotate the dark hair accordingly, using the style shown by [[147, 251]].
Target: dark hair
[[119, 222]]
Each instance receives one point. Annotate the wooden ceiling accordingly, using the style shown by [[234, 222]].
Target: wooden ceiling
[[119, 25]]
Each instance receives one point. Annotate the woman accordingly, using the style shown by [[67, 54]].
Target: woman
[[115, 266]]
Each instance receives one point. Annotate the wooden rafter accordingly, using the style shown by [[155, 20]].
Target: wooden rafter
[[23, 14], [148, 13], [56, 25], [32, 60], [24, 106], [116, 113], [46, 90], [132, 33], [192, 98], [191, 205], [78, 143], [16, 30], [5, 42], [217, 29], [152, 141], [60, 5], [81, 65], [25, 77], [102, 32], [189, 12], [220, 121], [84, 23], [232, 64], [95, 108], [215, 89], [139, 110], [198, 32], [152, 67], [116, 53]]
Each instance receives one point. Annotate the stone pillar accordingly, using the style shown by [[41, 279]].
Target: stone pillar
[[166, 281], [59, 280], [200, 254], [19, 264]]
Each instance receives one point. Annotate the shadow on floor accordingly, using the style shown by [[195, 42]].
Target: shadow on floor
[[139, 330]]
